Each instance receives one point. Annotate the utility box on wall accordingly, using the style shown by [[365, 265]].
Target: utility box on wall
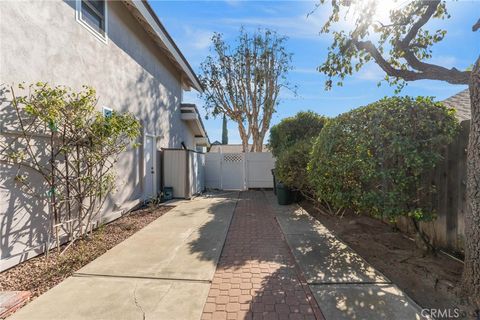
[[183, 170]]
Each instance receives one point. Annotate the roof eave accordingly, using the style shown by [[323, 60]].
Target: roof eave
[[197, 120], [159, 33]]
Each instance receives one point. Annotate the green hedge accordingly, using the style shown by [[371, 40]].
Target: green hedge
[[374, 159], [291, 142], [291, 166], [303, 126]]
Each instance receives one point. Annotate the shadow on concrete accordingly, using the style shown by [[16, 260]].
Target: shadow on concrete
[[209, 242], [259, 276], [256, 273], [310, 240], [365, 301], [242, 243]]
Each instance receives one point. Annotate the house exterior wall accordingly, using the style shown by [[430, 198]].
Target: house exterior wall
[[42, 41]]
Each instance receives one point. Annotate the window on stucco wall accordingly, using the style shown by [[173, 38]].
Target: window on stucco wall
[[92, 14]]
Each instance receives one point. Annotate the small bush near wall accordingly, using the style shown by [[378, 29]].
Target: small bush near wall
[[374, 159], [291, 142]]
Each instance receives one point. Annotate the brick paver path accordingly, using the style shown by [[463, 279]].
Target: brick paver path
[[257, 277]]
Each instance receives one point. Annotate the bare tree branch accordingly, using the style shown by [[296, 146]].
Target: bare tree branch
[[476, 26], [432, 72], [412, 33], [243, 82]]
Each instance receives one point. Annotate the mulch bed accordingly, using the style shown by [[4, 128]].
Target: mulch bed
[[433, 281], [39, 274]]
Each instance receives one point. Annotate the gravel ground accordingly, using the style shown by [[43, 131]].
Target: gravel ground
[[39, 274]]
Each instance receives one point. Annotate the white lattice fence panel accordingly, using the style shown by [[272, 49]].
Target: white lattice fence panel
[[233, 171], [233, 157]]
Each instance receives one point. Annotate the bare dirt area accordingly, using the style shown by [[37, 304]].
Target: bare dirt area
[[431, 280], [41, 273]]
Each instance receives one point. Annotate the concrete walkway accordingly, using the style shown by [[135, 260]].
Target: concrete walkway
[[345, 286], [161, 272], [276, 262]]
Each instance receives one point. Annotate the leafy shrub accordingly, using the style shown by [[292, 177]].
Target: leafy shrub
[[303, 126], [373, 159], [70, 147], [291, 166], [291, 142]]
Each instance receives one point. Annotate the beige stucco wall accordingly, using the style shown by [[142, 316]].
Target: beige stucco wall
[[42, 41]]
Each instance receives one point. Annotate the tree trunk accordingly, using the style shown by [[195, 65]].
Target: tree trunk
[[254, 143], [257, 144], [243, 136], [254, 139], [261, 137], [471, 272]]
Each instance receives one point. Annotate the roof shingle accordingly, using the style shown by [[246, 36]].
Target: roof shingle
[[461, 103]]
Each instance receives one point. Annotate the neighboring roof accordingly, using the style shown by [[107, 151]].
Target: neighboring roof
[[144, 13], [232, 148], [461, 103], [216, 142]]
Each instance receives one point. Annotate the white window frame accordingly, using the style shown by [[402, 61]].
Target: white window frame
[[78, 17], [106, 109]]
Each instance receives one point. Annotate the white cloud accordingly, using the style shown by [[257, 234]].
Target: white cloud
[[294, 27], [370, 72], [435, 86], [321, 95], [270, 10], [234, 3], [305, 70], [444, 61], [286, 94], [198, 38], [343, 97]]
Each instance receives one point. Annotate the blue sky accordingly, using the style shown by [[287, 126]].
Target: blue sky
[[192, 23]]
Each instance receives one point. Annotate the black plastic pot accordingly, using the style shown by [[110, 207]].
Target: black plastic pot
[[285, 196]]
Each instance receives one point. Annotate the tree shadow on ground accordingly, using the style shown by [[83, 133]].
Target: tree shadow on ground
[[310, 240], [257, 276]]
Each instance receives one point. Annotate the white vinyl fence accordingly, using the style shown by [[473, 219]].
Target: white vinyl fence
[[239, 171], [197, 172]]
